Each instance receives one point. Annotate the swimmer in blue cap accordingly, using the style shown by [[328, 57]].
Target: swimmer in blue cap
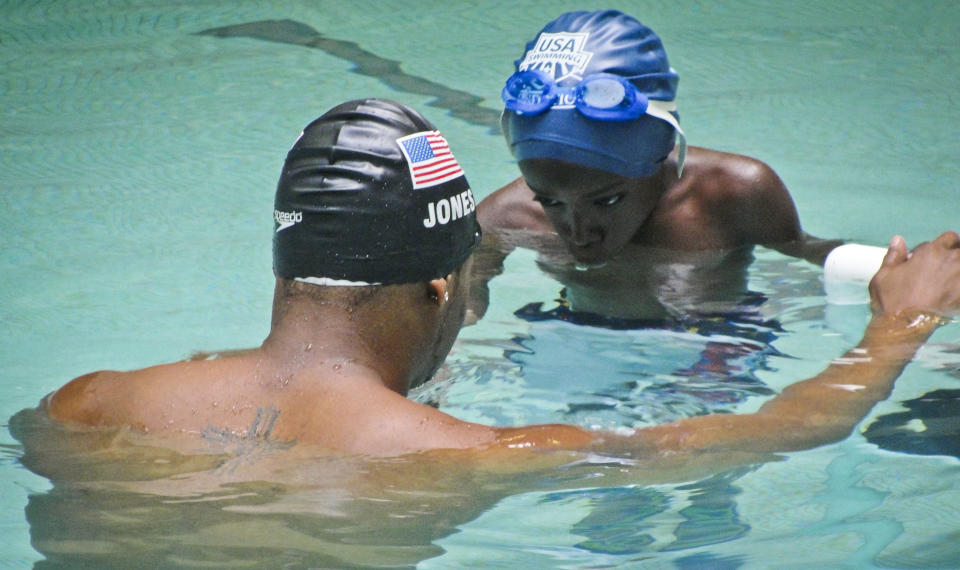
[[590, 114], [374, 227]]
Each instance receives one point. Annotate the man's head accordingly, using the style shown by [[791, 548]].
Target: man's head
[[370, 194], [373, 212]]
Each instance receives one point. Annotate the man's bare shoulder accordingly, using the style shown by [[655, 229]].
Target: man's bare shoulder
[[80, 401], [110, 397], [512, 208]]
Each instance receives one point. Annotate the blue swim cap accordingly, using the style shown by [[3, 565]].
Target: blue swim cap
[[579, 44]]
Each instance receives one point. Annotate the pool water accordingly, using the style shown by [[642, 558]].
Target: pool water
[[139, 148]]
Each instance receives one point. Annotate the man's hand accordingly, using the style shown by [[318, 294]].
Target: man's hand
[[926, 279]]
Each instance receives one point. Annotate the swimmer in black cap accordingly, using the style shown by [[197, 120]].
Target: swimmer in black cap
[[374, 226], [590, 115]]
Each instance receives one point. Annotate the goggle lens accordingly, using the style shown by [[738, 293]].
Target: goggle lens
[[603, 94], [529, 92], [606, 97]]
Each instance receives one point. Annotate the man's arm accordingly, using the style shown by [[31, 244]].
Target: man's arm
[[509, 209], [487, 263], [816, 411], [910, 294]]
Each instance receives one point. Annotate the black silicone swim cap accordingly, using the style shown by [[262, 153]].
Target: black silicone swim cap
[[371, 194]]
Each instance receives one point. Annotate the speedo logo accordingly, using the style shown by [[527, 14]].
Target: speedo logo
[[286, 219], [446, 210]]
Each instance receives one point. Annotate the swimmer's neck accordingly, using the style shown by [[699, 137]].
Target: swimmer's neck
[[312, 337]]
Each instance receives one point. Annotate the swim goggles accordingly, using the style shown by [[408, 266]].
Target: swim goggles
[[599, 96]]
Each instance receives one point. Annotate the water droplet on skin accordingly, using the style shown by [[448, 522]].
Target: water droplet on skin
[[337, 367]]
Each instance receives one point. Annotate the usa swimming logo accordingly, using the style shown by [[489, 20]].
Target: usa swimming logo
[[560, 55], [429, 158]]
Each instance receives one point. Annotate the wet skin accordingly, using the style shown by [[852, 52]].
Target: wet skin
[[688, 236]]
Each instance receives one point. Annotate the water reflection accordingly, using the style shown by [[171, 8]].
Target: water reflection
[[929, 426]]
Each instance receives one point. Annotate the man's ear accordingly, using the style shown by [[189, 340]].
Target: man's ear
[[439, 290]]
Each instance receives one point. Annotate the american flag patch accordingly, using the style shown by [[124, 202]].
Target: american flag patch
[[430, 160]]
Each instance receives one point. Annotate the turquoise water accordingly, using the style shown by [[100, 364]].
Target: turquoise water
[[138, 159]]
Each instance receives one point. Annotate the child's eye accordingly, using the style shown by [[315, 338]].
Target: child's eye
[[609, 200]]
